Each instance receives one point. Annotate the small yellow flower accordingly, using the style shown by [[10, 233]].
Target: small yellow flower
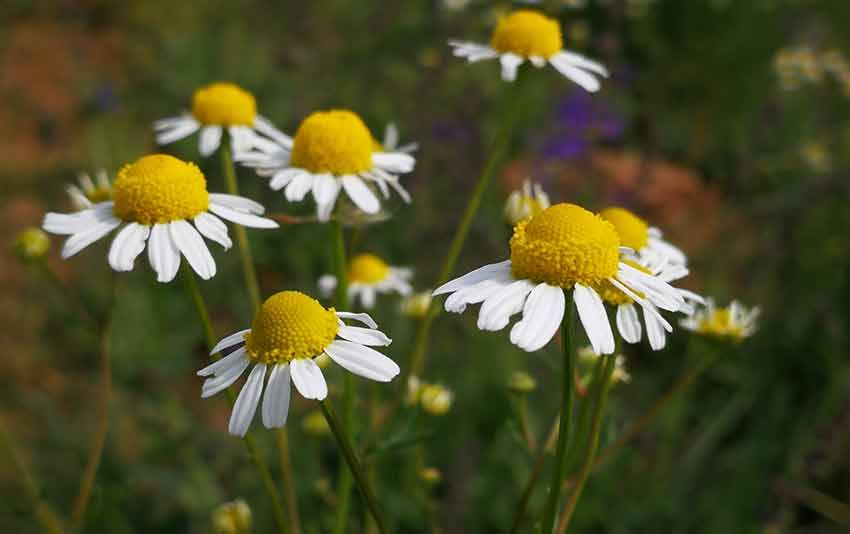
[[232, 518], [31, 244], [521, 204], [734, 323], [436, 399], [368, 276]]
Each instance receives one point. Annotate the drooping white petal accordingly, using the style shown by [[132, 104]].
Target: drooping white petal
[[177, 131], [657, 291], [362, 361], [233, 339], [510, 64], [364, 336], [163, 254], [672, 253], [541, 317], [308, 379], [394, 162], [390, 136], [582, 62], [81, 240], [298, 187], [241, 138], [238, 203], [593, 317], [399, 189], [628, 323], [282, 177], [225, 377], [192, 246], [502, 304], [265, 127], [360, 194], [276, 397], [246, 402], [367, 295], [492, 270], [325, 191], [566, 67], [364, 318], [213, 229], [537, 61], [209, 140], [127, 245], [223, 364], [239, 217], [654, 330], [472, 51], [457, 301]]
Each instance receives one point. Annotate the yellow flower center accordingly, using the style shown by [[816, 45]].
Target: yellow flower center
[[527, 33], [720, 324], [633, 231], [99, 194], [335, 141], [224, 104], [367, 269], [563, 245], [159, 189], [612, 295], [290, 325]]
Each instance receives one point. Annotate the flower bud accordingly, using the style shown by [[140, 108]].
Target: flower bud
[[436, 399], [31, 244], [431, 476], [522, 383], [315, 424], [416, 305], [232, 518]]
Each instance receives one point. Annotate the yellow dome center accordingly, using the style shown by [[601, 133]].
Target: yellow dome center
[[367, 269], [612, 295], [527, 33], [290, 325], [633, 231], [720, 324], [159, 189], [563, 245], [224, 104], [335, 141]]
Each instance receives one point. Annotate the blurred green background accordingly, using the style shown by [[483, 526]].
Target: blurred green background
[[724, 123]]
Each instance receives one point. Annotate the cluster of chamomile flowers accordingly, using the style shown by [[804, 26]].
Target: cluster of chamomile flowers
[[560, 254]]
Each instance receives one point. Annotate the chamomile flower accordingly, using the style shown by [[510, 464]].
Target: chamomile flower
[[636, 234], [332, 151], [289, 331], [734, 322], [524, 203], [628, 321], [527, 35], [216, 107], [369, 275], [88, 193], [565, 247], [154, 199]]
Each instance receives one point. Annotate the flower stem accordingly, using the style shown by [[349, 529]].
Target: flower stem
[[595, 426], [253, 453], [354, 465], [566, 420], [536, 471]]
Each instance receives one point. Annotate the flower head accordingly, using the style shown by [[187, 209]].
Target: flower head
[[521, 204], [527, 35], [288, 333], [733, 323], [154, 198], [369, 275], [636, 234]]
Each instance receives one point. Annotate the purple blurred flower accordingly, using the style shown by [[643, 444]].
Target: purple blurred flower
[[579, 121]]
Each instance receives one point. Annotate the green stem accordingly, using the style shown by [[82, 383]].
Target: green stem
[[566, 420], [497, 152], [253, 453], [248, 272], [595, 427], [584, 414], [354, 465], [536, 471]]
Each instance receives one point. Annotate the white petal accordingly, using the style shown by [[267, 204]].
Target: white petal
[[192, 245], [177, 132], [327, 285], [367, 296], [81, 240], [239, 217], [298, 187], [628, 323], [127, 245], [246, 402], [308, 379], [276, 397], [654, 331], [472, 51], [537, 61], [163, 254], [457, 301], [226, 376], [364, 336], [593, 317], [492, 270], [241, 139], [673, 254], [209, 140], [360, 194], [390, 136], [394, 162], [362, 361], [582, 62], [213, 229], [233, 339], [402, 192], [235, 202], [572, 72], [502, 304], [657, 291], [541, 317], [223, 364], [510, 63], [265, 127], [282, 177], [364, 318]]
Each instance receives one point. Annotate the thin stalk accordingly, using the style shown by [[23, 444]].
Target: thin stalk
[[536, 471], [289, 496], [566, 420], [595, 427], [584, 414], [497, 152], [649, 416], [45, 515], [253, 453], [354, 466]]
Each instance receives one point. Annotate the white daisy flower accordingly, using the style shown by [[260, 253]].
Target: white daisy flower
[[636, 234], [289, 331], [565, 247], [735, 322], [528, 35], [154, 199], [628, 321], [87, 193], [216, 107], [524, 203], [369, 275], [332, 151]]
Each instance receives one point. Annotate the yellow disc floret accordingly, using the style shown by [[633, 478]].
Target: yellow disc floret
[[633, 231], [563, 245], [367, 269], [224, 104], [290, 325], [612, 295], [720, 324], [335, 141], [527, 33], [159, 189]]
